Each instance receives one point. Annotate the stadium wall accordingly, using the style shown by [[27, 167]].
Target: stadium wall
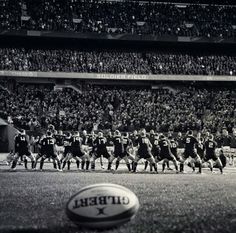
[[104, 76]]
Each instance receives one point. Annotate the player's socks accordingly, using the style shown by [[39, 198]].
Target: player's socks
[[54, 165], [68, 165], [132, 165], [221, 170], [35, 163], [176, 167], [78, 163], [93, 165], [151, 167], [117, 164], [41, 164], [25, 163], [181, 167], [200, 168], [109, 166], [13, 164], [155, 167], [128, 166], [87, 165], [32, 164], [59, 165], [163, 166], [168, 165], [135, 164], [145, 166], [82, 165], [64, 164]]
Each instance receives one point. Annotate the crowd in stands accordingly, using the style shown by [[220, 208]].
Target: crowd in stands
[[126, 109], [115, 62], [132, 17]]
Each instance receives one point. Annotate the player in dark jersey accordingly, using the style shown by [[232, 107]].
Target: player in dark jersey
[[128, 148], [67, 149], [109, 139], [190, 152], [151, 136], [165, 153], [134, 138], [100, 149], [91, 139], [48, 150], [200, 147], [76, 152], [22, 149], [118, 145], [211, 156], [180, 140], [218, 139], [144, 151], [174, 147], [59, 137], [155, 150], [121, 144]]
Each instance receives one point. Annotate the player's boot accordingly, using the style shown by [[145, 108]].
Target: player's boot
[[77, 163], [87, 165], [128, 166], [109, 166], [93, 166], [168, 166], [163, 167], [82, 165], [135, 164], [154, 165], [68, 165], [41, 165], [145, 165], [63, 165], [117, 164]]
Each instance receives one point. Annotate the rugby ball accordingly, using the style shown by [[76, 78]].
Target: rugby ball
[[102, 206]]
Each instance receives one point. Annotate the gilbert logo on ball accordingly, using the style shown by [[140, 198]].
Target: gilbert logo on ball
[[102, 206]]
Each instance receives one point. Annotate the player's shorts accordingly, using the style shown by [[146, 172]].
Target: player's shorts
[[50, 154], [24, 152], [67, 150], [191, 154], [119, 154], [167, 156], [155, 153], [144, 154], [190, 160], [103, 153], [77, 153], [211, 156]]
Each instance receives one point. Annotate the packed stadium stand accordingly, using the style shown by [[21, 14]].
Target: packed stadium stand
[[120, 17], [149, 38], [188, 107], [65, 60]]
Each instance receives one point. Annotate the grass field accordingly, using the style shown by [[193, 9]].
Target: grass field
[[170, 203]]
